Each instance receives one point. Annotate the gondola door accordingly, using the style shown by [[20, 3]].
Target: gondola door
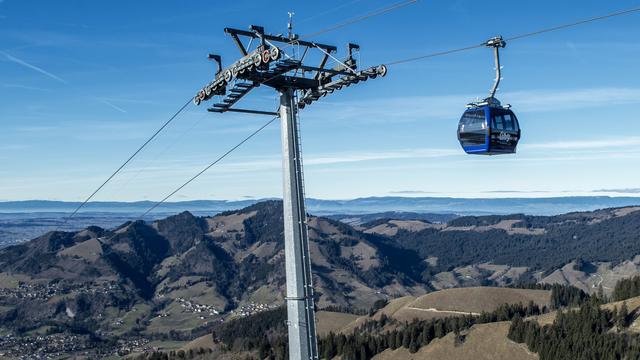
[[505, 131]]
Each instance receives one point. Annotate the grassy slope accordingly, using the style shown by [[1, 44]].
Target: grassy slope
[[333, 321], [475, 300], [482, 342], [451, 302], [489, 341], [478, 299]]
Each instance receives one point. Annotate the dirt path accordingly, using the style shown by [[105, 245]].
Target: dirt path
[[444, 311]]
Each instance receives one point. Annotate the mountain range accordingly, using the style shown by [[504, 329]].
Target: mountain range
[[439, 205], [176, 277]]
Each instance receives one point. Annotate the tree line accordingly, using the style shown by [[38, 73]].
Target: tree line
[[626, 288], [613, 240], [588, 333], [257, 335]]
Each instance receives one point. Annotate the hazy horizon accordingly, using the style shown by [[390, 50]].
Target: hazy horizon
[[611, 193]]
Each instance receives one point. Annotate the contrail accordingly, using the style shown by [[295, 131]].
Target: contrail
[[113, 106], [33, 67]]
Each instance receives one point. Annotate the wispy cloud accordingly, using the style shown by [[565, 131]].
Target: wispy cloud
[[275, 162], [557, 100], [514, 191], [413, 192], [132, 101], [34, 68], [35, 129], [436, 107], [391, 109], [113, 106], [340, 158], [619, 191], [493, 192], [25, 87], [628, 141], [9, 147]]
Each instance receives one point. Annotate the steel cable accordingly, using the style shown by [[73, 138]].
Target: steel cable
[[208, 166], [518, 37], [125, 163]]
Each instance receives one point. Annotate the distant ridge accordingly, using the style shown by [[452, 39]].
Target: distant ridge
[[369, 205]]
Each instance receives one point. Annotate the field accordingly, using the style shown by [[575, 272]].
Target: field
[[129, 319], [175, 319], [461, 301], [450, 302], [333, 321], [481, 342], [479, 299]]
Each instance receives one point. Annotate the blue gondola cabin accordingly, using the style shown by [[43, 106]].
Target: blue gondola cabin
[[489, 130]]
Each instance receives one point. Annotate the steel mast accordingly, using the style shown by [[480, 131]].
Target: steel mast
[[299, 85], [299, 296]]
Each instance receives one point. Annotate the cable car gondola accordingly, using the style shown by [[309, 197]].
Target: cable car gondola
[[487, 127], [489, 130]]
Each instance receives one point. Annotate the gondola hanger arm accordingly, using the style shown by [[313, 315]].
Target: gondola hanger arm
[[496, 43]]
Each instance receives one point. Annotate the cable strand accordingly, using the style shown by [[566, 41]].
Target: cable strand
[[362, 17], [208, 167], [581, 22], [66, 220], [518, 37]]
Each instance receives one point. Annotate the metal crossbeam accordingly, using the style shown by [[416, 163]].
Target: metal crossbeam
[[246, 111], [280, 39]]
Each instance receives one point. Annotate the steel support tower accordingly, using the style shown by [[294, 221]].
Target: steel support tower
[[299, 295], [299, 85]]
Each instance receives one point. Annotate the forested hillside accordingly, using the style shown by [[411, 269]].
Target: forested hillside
[[544, 243], [588, 333], [263, 336], [175, 278]]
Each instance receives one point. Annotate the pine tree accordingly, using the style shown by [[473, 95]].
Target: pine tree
[[406, 338], [392, 341], [363, 352], [623, 314], [413, 347], [399, 339], [600, 293]]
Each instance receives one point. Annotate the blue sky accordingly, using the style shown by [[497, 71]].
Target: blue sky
[[84, 83]]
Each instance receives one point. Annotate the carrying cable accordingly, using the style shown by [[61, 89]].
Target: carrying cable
[[124, 164], [518, 37], [329, 11], [581, 22], [209, 166], [169, 146], [362, 17]]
